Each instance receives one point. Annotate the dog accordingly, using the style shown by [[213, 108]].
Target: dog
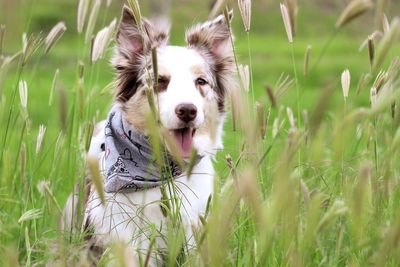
[[192, 87]]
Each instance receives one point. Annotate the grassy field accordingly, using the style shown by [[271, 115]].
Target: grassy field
[[322, 188]]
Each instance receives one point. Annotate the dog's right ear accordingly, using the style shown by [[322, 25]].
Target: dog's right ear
[[133, 43], [136, 39], [129, 38]]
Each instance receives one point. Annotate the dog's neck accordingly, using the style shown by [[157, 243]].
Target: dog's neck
[[129, 161]]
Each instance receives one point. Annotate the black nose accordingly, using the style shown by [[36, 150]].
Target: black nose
[[186, 112]]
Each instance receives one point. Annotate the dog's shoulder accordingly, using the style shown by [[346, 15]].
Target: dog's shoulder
[[77, 200]]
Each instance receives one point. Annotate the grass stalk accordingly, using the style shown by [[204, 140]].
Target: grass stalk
[[250, 68], [11, 108], [296, 79]]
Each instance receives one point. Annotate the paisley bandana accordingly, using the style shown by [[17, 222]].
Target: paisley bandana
[[129, 165]]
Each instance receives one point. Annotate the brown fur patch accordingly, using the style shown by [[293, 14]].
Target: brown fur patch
[[136, 110], [127, 84], [163, 82], [213, 41], [209, 125], [133, 45], [197, 70]]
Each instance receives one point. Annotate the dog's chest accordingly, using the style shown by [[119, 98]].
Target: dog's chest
[[131, 216]]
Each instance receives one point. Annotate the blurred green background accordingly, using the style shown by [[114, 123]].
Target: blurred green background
[[269, 49], [270, 53], [267, 44]]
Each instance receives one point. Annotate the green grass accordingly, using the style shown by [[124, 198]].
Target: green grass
[[325, 193]]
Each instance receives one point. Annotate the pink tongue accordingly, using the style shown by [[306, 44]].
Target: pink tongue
[[184, 139]]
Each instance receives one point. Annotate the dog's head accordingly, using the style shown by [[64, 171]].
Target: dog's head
[[193, 81]]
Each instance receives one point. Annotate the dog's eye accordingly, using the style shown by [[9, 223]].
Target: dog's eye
[[162, 84], [201, 81], [162, 80]]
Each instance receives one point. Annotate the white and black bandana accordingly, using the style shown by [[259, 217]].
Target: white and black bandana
[[129, 165]]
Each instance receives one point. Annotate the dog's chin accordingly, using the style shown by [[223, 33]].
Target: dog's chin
[[184, 139]]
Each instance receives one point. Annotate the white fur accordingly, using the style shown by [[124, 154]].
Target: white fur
[[127, 217], [178, 63]]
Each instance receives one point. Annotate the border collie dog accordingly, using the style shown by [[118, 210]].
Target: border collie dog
[[193, 82]]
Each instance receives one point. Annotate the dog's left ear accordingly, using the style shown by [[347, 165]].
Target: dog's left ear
[[213, 40], [212, 36], [133, 43]]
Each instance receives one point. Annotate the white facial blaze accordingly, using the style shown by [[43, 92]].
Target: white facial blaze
[[178, 64], [183, 66]]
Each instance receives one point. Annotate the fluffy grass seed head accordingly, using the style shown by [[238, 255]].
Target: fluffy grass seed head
[[245, 13], [54, 35], [92, 20], [30, 45], [23, 94], [271, 95], [373, 97], [101, 41], [362, 82], [353, 10], [2, 34], [250, 190], [307, 57], [305, 192], [137, 15], [385, 24], [291, 118], [30, 215], [275, 128], [173, 147], [380, 80], [292, 10], [81, 16], [94, 171], [386, 44], [396, 141], [22, 166], [24, 42], [53, 86], [261, 120], [371, 50], [286, 22], [39, 139], [360, 202], [338, 208], [192, 162], [375, 36], [283, 84], [45, 190], [245, 77], [306, 119], [42, 187], [63, 107], [345, 79]]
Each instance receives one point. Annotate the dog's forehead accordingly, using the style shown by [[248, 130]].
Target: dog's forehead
[[178, 58]]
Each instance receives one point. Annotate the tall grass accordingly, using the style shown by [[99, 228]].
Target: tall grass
[[337, 204]]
